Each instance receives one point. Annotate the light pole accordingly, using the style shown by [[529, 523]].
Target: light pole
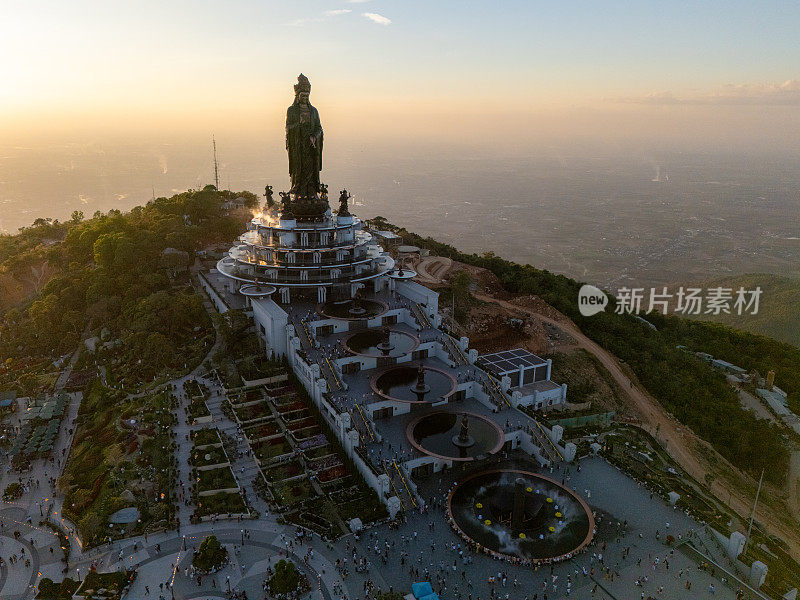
[[242, 537]]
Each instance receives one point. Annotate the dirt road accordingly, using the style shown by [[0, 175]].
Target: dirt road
[[694, 455]]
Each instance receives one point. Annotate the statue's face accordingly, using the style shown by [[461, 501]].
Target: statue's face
[[302, 97]]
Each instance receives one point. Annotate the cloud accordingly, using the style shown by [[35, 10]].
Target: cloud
[[325, 15], [783, 94], [376, 18]]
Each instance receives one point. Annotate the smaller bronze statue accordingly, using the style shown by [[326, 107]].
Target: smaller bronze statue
[[268, 196], [286, 204], [343, 198], [323, 191], [420, 388], [385, 345], [463, 439]]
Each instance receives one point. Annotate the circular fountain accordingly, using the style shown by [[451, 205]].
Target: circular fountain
[[381, 342], [455, 436], [406, 383], [520, 515], [353, 309]]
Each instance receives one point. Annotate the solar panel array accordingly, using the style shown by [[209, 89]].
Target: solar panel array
[[510, 360]]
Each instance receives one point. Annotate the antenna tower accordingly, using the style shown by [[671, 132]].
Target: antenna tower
[[216, 167]]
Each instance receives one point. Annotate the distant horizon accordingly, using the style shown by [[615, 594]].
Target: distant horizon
[[713, 74], [435, 112]]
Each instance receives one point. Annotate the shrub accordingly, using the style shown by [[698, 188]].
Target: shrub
[[12, 492], [211, 555], [286, 579]]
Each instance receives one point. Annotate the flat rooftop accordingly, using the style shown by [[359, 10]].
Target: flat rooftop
[[507, 361]]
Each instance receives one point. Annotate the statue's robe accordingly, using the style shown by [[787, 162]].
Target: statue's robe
[[305, 160]]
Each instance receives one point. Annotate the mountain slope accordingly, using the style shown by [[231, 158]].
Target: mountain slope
[[779, 309]]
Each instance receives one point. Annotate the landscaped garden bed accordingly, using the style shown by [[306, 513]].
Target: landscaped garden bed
[[261, 430], [259, 367], [210, 556], [204, 437], [207, 457], [286, 581], [318, 452], [313, 442], [290, 493], [324, 463], [247, 396], [290, 405], [270, 449], [359, 502], [306, 433], [197, 409], [301, 423], [296, 416], [283, 471], [215, 479], [12, 492], [114, 583], [332, 473], [48, 590], [194, 389], [122, 457], [318, 515], [222, 503], [252, 412], [343, 483], [278, 389]]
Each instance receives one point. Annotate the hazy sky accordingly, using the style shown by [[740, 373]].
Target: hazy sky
[[403, 66]]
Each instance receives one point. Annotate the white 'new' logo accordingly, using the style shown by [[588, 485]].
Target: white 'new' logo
[[591, 300]]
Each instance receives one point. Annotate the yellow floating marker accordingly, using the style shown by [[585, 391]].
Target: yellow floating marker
[[558, 514], [522, 536], [550, 500], [488, 521], [479, 505], [552, 529], [528, 489]]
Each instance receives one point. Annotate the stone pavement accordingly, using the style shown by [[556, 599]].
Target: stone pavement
[[610, 492]]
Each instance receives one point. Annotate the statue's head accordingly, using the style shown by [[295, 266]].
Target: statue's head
[[302, 89]]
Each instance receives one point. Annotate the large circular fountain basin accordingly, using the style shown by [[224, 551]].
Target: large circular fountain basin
[[535, 520], [365, 309], [397, 383], [367, 343], [433, 434]]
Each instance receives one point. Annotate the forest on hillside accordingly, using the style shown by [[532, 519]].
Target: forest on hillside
[[109, 274]]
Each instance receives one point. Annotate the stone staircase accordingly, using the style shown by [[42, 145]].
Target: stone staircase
[[455, 351], [420, 316]]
